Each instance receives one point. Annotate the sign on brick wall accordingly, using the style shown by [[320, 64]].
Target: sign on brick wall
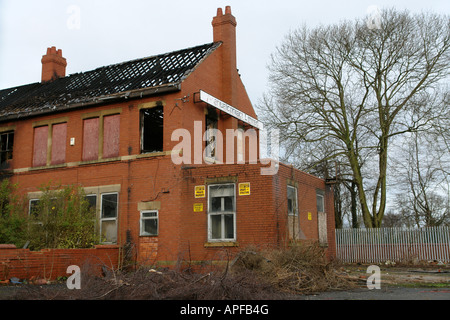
[[244, 189], [200, 192], [198, 207]]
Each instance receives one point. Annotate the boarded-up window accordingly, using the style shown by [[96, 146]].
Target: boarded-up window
[[90, 139], [111, 135], [59, 137], [40, 146]]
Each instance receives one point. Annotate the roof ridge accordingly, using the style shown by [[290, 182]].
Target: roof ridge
[[145, 58], [166, 70]]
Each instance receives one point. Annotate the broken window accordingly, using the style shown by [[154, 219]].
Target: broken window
[[108, 217], [149, 223], [292, 201], [293, 217], [321, 218], [152, 129], [221, 212], [211, 120], [6, 147]]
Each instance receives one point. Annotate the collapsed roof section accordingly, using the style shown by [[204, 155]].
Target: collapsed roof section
[[136, 78]]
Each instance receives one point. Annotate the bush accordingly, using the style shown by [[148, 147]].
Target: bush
[[62, 218], [13, 223]]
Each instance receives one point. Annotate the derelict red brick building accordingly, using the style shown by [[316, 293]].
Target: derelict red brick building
[[111, 131]]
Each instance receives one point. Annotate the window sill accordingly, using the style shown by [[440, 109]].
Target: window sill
[[153, 154], [221, 244], [83, 163], [55, 166]]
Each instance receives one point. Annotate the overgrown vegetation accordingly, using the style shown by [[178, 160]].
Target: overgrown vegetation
[[13, 223], [62, 218], [303, 269], [252, 275]]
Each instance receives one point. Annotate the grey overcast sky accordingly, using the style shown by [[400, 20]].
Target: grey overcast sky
[[95, 33]]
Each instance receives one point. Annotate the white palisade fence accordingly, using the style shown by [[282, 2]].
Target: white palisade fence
[[393, 244]]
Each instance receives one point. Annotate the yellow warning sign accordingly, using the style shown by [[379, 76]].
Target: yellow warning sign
[[244, 189], [200, 192], [198, 207]]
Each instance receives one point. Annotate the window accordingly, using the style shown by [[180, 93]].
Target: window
[[221, 213], [40, 146], [108, 217], [90, 139], [320, 203], [321, 218], [92, 200], [101, 136], [211, 121], [152, 129], [6, 147], [49, 146], [111, 136], [149, 223], [58, 144], [240, 145], [33, 207], [292, 201]]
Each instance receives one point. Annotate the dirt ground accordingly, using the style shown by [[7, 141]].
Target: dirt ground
[[396, 283], [403, 275]]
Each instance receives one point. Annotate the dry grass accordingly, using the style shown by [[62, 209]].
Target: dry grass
[[252, 275], [302, 269]]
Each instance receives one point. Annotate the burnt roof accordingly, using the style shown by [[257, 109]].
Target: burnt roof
[[147, 75]]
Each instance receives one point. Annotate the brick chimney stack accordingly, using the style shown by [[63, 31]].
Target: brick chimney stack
[[53, 65], [224, 28]]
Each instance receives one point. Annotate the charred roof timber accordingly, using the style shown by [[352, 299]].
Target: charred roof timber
[[127, 80]]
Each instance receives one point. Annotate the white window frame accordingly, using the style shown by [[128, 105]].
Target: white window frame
[[101, 219], [223, 213], [96, 200], [29, 205], [142, 233], [296, 200], [322, 200]]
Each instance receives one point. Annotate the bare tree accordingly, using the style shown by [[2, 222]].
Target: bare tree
[[356, 88], [423, 199]]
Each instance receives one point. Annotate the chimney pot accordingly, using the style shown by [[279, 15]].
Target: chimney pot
[[53, 65], [224, 30]]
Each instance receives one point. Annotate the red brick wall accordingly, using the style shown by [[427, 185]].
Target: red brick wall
[[261, 217], [50, 264]]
